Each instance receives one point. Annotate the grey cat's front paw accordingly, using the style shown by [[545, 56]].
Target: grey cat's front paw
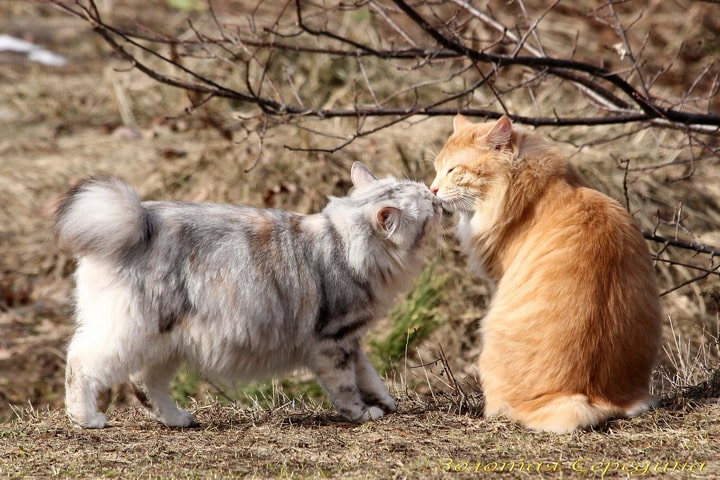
[[365, 415], [372, 413], [177, 418], [388, 405]]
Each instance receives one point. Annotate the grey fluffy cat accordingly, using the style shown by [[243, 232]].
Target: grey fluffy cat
[[237, 292]]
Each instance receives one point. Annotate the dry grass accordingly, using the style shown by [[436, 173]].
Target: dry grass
[[423, 440], [94, 116]]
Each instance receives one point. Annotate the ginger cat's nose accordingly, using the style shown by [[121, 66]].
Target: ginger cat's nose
[[434, 190]]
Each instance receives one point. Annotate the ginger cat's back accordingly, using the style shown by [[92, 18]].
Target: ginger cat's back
[[572, 332]]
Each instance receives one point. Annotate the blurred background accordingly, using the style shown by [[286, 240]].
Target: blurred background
[[279, 99]]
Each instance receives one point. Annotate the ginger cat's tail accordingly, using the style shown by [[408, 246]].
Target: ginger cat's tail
[[564, 413]]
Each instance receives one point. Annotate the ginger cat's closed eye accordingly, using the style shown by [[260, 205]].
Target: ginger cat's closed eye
[[573, 329]]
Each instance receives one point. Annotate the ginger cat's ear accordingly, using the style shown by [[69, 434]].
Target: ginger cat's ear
[[500, 134], [460, 122], [361, 175]]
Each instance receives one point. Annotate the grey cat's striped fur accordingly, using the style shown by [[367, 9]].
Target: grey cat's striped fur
[[235, 291]]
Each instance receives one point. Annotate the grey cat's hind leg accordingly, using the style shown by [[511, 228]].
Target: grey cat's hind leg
[[372, 388], [334, 367], [152, 388], [81, 391]]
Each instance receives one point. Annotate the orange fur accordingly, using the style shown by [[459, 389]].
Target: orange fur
[[573, 329]]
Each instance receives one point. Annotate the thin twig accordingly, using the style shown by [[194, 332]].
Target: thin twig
[[670, 242], [702, 276]]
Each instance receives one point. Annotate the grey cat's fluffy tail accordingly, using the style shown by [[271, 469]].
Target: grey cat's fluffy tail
[[101, 216]]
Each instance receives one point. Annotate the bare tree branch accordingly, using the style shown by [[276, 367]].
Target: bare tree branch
[[651, 110], [695, 247], [450, 48], [445, 58]]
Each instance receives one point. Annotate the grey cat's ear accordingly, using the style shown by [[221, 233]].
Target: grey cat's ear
[[460, 122], [361, 175], [500, 134], [388, 219]]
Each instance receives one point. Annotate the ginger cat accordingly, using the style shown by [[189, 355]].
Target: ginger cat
[[573, 329]]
